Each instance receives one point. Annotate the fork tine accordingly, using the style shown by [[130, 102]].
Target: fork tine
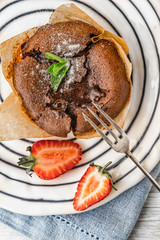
[[98, 130], [105, 125], [109, 119]]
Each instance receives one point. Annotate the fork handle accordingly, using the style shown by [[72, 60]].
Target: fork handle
[[143, 170]]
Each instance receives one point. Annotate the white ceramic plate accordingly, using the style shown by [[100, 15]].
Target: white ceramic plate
[[137, 22]]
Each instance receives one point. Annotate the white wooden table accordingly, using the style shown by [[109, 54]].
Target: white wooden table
[[147, 227]]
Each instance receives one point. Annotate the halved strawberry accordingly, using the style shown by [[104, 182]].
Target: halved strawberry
[[95, 185], [51, 158]]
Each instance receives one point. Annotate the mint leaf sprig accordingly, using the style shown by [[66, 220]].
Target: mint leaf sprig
[[57, 70]]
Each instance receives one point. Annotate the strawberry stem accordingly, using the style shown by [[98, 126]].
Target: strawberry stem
[[102, 170], [23, 161], [28, 161]]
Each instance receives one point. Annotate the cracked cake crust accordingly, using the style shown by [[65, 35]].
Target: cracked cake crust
[[97, 73]]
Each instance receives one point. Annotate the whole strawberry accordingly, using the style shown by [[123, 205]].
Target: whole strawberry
[[95, 185], [51, 158]]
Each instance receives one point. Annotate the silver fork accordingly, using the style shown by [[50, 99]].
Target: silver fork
[[121, 144]]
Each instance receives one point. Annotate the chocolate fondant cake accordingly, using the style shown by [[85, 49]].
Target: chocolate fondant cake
[[96, 74]]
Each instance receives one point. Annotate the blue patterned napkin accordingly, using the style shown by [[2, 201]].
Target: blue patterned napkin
[[112, 221]]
